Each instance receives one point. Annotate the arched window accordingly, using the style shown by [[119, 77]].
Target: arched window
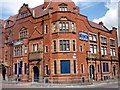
[[23, 33]]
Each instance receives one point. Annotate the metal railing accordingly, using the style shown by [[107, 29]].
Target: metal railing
[[64, 80]]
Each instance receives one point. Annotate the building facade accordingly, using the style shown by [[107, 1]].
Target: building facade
[[55, 40]]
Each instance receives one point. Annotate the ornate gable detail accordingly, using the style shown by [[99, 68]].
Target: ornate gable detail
[[62, 4]]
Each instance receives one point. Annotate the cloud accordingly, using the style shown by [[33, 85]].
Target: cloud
[[11, 7], [110, 19]]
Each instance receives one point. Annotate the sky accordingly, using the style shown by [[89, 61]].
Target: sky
[[96, 10]]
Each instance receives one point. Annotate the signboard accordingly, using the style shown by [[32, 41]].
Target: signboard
[[18, 42], [83, 36]]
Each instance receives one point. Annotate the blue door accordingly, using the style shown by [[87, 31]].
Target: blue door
[[36, 74], [91, 70]]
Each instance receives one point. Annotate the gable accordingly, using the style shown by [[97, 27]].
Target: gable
[[24, 11], [36, 34]]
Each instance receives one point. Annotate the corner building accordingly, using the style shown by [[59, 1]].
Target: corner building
[[54, 40]]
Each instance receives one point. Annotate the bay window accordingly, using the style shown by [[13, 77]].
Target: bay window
[[64, 26]]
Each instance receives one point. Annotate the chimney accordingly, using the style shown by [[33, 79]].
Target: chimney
[[46, 2], [101, 23], [114, 28]]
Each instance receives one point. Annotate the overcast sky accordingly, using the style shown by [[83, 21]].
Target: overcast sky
[[96, 10]]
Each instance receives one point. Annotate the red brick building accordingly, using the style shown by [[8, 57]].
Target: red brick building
[[55, 40]]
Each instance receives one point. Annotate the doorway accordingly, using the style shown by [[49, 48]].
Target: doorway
[[114, 71], [36, 74], [91, 70]]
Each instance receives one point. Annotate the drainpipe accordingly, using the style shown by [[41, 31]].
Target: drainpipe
[[43, 50], [11, 53], [100, 55]]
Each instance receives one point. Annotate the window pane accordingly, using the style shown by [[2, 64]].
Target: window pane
[[73, 45], [67, 45], [67, 26], [55, 68], [103, 67], [81, 49], [47, 70], [82, 68], [74, 66], [61, 45], [72, 26], [111, 52], [90, 37], [91, 48], [107, 67], [105, 50], [25, 68], [46, 48], [94, 38], [64, 26], [114, 54], [54, 42], [60, 26], [95, 49], [102, 51], [15, 68], [66, 9], [54, 27]]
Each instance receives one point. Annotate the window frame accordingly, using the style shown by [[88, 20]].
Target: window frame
[[92, 49], [81, 48], [35, 47], [105, 67], [18, 51], [64, 45], [54, 46], [46, 49], [93, 37], [63, 9], [64, 26], [82, 68], [55, 67], [104, 50], [75, 67], [25, 68]]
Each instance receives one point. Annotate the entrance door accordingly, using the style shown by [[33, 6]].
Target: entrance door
[[114, 72], [91, 70], [36, 74]]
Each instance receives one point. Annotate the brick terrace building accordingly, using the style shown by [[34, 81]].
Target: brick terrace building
[[55, 40]]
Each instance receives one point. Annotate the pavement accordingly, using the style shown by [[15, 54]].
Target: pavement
[[14, 84]]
